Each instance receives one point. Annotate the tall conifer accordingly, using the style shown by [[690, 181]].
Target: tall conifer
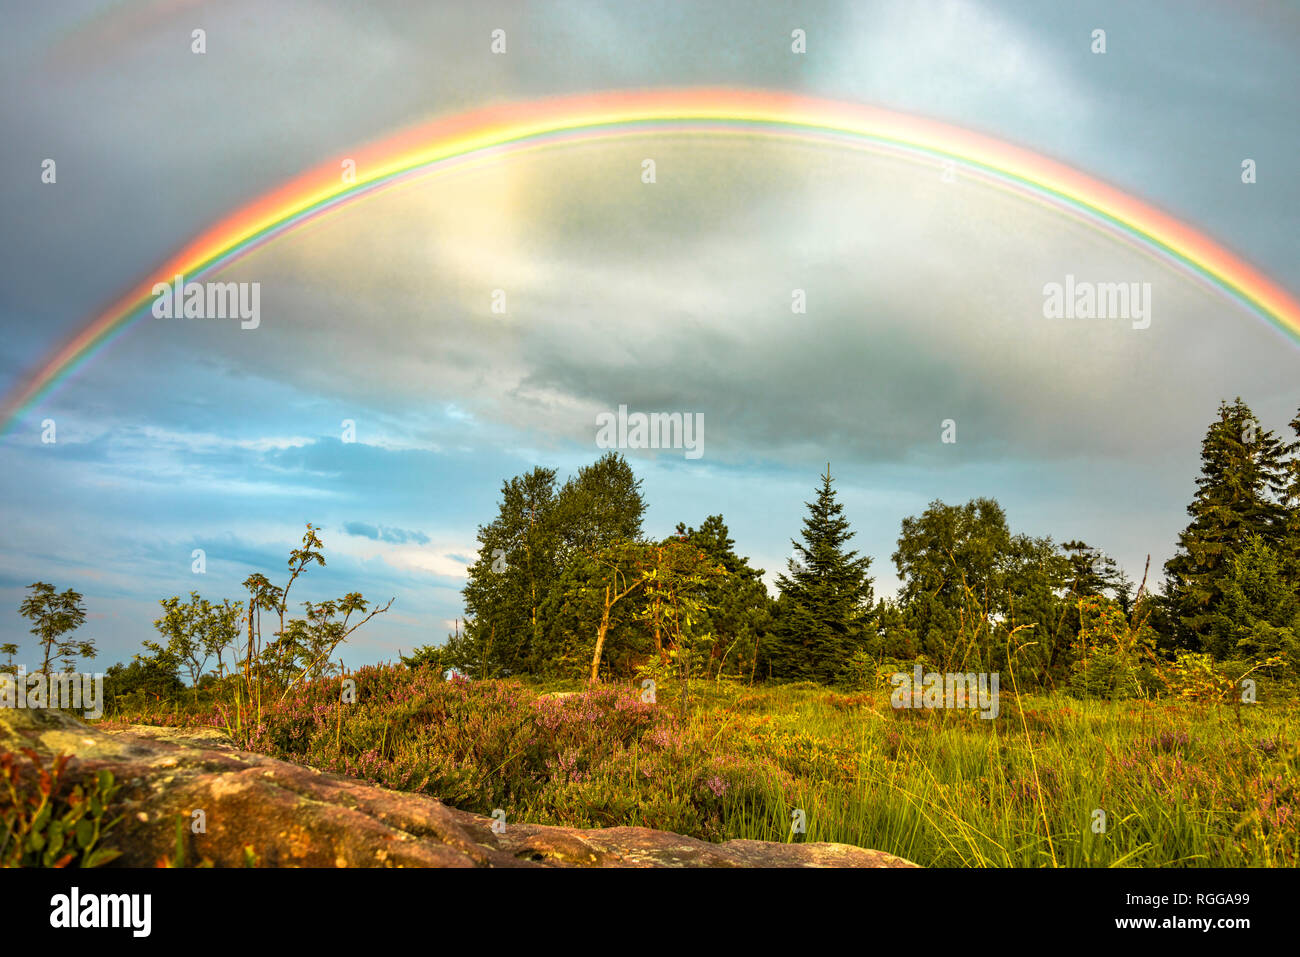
[[1237, 496], [826, 596]]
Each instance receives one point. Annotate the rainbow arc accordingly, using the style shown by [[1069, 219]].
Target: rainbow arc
[[448, 142]]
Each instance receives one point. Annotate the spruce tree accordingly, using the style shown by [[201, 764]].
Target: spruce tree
[[1242, 477], [1259, 616], [1289, 547], [826, 596], [1090, 571]]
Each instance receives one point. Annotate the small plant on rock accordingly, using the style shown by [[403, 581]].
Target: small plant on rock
[[43, 823]]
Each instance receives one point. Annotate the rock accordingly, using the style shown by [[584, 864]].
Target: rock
[[296, 816]]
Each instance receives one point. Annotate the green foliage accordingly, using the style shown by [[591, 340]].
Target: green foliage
[[301, 648], [53, 616], [860, 671], [1089, 572], [563, 570], [230, 663], [517, 585], [733, 607], [1105, 673], [1258, 616], [1115, 657], [675, 600], [1037, 591], [950, 560], [1196, 676], [567, 587], [592, 614], [308, 642], [195, 632], [46, 823], [824, 612], [143, 680], [1237, 499], [433, 657], [676, 603], [968, 582], [516, 570], [1289, 546], [600, 506]]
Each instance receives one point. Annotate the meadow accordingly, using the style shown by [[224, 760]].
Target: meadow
[[1052, 781]]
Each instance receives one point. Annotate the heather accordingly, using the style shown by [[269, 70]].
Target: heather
[[1181, 781]]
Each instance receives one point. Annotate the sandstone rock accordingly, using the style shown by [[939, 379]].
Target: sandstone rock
[[296, 816]]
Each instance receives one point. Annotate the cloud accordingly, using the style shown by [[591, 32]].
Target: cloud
[[924, 298], [924, 303], [383, 533], [961, 59]]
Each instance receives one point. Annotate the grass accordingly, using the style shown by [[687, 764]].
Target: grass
[[1179, 783]]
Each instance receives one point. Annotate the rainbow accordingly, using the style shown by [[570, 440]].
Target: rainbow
[[484, 134]]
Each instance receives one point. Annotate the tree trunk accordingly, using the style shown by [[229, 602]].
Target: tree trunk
[[600, 637], [248, 666]]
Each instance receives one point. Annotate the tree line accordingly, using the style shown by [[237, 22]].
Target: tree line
[[566, 583]]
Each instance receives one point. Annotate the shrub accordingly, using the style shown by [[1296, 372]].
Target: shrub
[[859, 673], [1113, 658], [1105, 673]]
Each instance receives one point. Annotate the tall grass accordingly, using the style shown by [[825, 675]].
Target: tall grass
[[1178, 783]]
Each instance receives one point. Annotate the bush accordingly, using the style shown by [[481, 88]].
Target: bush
[[1107, 674], [433, 657], [859, 673], [1113, 658], [1196, 676]]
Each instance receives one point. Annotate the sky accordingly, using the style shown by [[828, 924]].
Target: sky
[[924, 295]]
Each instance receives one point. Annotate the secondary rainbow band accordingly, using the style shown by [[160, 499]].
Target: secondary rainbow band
[[447, 142]]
